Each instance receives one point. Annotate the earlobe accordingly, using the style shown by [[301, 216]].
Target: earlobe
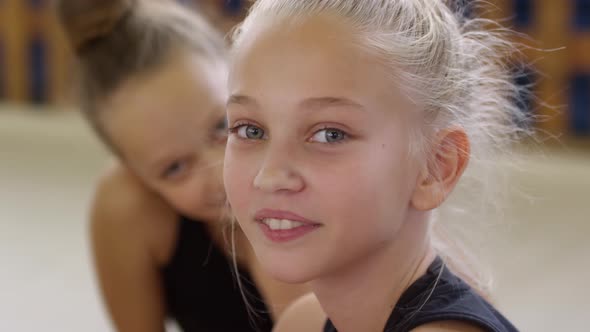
[[443, 169]]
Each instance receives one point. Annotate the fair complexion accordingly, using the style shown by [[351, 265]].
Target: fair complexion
[[171, 145], [168, 127], [320, 137]]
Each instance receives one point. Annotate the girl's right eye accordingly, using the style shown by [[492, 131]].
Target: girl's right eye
[[248, 131], [175, 170]]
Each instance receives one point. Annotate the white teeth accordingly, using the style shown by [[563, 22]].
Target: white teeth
[[281, 224], [274, 224], [286, 224]]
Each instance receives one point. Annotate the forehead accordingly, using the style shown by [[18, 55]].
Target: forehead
[[319, 56], [166, 107]]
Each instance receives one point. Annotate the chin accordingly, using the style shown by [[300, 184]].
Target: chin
[[286, 268], [290, 277]]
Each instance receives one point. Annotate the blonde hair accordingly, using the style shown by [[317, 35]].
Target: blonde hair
[[458, 68]]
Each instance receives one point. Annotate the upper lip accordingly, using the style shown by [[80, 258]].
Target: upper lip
[[280, 214]]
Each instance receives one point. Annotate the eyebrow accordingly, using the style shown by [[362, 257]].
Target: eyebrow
[[241, 100], [309, 103], [323, 102]]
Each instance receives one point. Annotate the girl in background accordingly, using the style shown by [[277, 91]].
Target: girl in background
[[153, 87]]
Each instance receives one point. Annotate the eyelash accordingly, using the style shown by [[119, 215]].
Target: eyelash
[[238, 125], [234, 129], [168, 171], [326, 127]]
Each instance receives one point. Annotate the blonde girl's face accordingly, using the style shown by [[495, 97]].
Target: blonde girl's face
[[317, 167], [169, 127]]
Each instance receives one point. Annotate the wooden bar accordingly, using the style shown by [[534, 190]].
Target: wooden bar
[[550, 27], [14, 40], [61, 67], [2, 50], [554, 32]]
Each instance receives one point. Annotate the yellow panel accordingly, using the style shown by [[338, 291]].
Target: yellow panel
[[61, 64], [554, 32], [580, 50], [14, 48]]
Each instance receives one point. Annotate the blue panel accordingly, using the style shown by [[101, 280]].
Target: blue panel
[[229, 7], [234, 7], [523, 12], [582, 14], [38, 70], [463, 6], [580, 104], [37, 4]]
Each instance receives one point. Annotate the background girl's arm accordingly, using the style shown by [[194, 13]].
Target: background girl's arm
[[305, 314], [133, 234]]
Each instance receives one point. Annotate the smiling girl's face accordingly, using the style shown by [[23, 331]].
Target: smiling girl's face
[[168, 126], [317, 167]]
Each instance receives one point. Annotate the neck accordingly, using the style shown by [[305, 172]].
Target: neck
[[362, 296]]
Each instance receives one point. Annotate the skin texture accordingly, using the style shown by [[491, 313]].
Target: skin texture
[[306, 314], [174, 141], [318, 130], [171, 143]]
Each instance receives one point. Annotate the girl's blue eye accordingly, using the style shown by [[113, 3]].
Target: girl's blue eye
[[247, 131], [329, 135]]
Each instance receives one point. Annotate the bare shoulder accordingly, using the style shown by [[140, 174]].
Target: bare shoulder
[[122, 193], [123, 208], [448, 326], [304, 314]]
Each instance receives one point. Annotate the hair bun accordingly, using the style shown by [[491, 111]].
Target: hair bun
[[85, 21]]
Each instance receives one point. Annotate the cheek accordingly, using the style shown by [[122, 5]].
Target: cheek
[[238, 175], [177, 196], [374, 187], [195, 197]]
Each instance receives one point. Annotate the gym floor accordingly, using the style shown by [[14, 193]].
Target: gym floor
[[539, 253]]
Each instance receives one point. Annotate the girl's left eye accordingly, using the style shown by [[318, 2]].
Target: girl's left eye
[[220, 131], [248, 132], [329, 135], [221, 125], [175, 170]]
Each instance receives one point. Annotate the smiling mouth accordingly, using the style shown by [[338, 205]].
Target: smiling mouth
[[285, 230], [284, 226], [281, 224]]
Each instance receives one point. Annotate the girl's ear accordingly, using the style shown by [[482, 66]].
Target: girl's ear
[[450, 156]]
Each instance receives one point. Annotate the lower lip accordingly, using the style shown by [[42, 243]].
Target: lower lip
[[287, 235]]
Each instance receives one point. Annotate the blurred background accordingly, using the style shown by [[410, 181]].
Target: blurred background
[[49, 161]]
